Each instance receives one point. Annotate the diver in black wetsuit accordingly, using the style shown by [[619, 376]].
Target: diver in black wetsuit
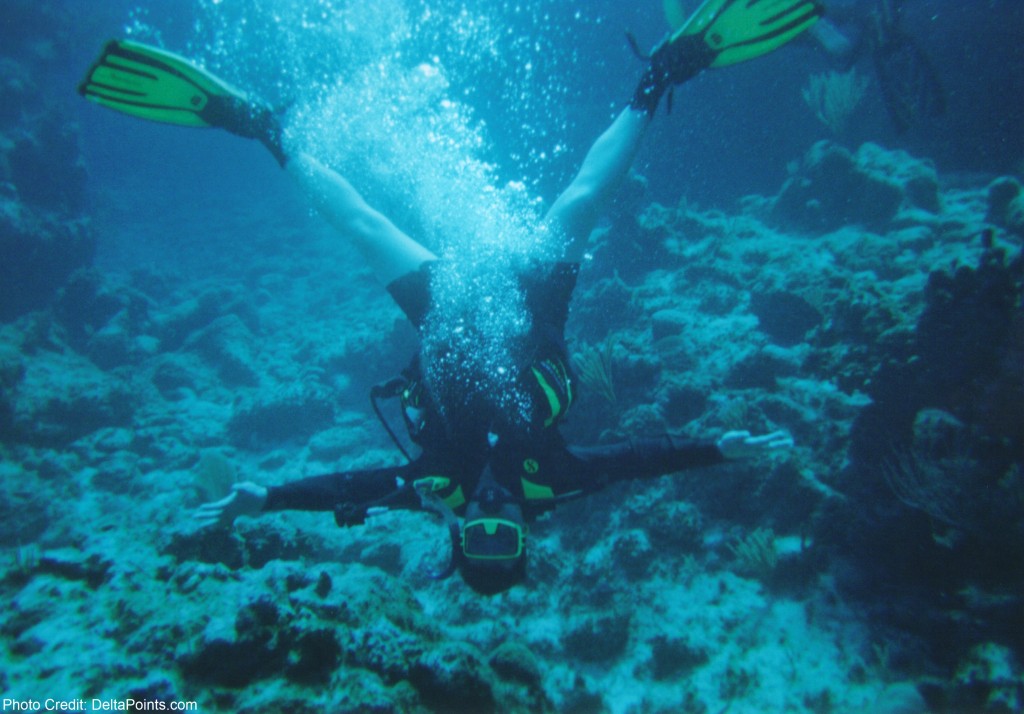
[[497, 470], [496, 466]]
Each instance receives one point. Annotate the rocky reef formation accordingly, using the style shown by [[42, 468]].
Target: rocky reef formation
[[868, 309], [886, 334], [833, 187], [45, 233]]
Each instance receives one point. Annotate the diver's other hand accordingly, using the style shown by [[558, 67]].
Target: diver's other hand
[[740, 444], [246, 499]]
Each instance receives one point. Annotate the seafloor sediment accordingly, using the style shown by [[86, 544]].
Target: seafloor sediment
[[871, 308]]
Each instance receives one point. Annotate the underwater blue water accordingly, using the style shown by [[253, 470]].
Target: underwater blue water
[[731, 133], [749, 288]]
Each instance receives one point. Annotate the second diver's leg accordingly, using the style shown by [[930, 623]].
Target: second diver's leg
[[388, 251]]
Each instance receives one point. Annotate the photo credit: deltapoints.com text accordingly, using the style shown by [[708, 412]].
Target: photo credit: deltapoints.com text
[[94, 705]]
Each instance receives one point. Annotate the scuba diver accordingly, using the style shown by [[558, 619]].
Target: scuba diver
[[496, 467], [911, 89]]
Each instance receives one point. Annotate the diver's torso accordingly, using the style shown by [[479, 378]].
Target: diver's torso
[[465, 416]]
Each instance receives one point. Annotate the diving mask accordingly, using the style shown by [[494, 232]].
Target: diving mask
[[493, 539], [494, 530]]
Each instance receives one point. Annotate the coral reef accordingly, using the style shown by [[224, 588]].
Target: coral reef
[[833, 97], [756, 553], [833, 188], [874, 568], [45, 234], [1006, 204], [594, 367]]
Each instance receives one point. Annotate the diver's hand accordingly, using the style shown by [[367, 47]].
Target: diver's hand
[[246, 499], [740, 444]]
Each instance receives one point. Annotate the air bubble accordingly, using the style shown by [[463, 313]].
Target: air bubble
[[379, 91]]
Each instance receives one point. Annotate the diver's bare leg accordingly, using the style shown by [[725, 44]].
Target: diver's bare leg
[[389, 252], [576, 211]]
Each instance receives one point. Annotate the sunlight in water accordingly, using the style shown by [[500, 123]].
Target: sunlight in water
[[382, 93]]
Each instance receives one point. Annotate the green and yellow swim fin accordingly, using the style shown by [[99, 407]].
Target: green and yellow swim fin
[[739, 30], [719, 33], [155, 84]]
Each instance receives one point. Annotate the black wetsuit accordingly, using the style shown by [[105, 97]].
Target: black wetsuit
[[531, 460]]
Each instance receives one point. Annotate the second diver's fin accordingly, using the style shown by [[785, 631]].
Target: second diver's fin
[[911, 88], [739, 30], [151, 83]]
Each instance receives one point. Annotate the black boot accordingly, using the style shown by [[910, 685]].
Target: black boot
[[670, 64], [248, 120]]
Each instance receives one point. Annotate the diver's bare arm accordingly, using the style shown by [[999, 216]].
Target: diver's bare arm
[[389, 252], [576, 211]]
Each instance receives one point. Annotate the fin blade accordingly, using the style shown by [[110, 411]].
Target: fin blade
[[150, 83], [170, 62], [703, 17], [911, 88], [740, 30], [135, 83], [164, 115]]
